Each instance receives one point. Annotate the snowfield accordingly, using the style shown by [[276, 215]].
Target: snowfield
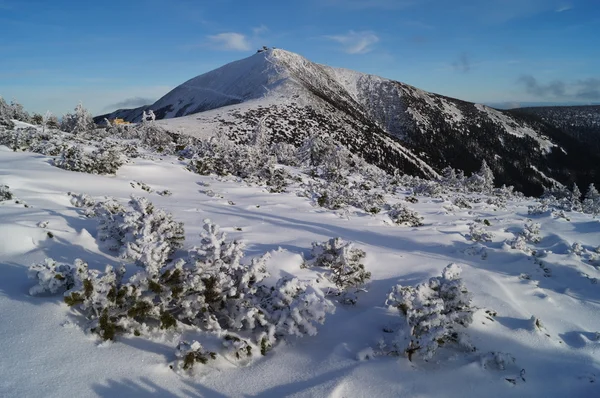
[[536, 320]]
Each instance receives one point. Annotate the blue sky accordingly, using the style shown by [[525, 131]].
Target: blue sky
[[109, 54]]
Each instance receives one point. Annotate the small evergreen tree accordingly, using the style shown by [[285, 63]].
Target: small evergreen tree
[[576, 199], [78, 122], [591, 203], [435, 312]]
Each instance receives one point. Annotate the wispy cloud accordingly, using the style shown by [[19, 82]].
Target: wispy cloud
[[463, 63], [356, 42], [133, 102], [583, 89], [259, 30], [564, 7], [364, 4], [229, 41]]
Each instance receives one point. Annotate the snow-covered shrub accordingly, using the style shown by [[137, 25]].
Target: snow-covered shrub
[[428, 188], [81, 200], [5, 116], [435, 312], [402, 215], [343, 261], [478, 233], [461, 202], [223, 158], [293, 310], [5, 193], [103, 160], [531, 232], [32, 140], [481, 181], [277, 179], [144, 234], [576, 199], [210, 290], [78, 122], [286, 154], [53, 277], [577, 249], [537, 209], [188, 354], [336, 195], [591, 203]]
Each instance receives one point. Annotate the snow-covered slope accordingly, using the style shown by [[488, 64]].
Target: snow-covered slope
[[45, 353]]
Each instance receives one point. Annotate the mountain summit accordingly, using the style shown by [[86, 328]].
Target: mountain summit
[[391, 124]]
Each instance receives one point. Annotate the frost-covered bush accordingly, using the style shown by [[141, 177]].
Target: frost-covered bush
[[53, 277], [344, 263], [531, 232], [188, 354], [478, 233], [103, 160], [402, 215], [481, 181], [5, 116], [277, 179], [336, 195], [5, 193], [539, 208], [286, 154], [461, 202], [222, 157], [428, 188], [33, 140], [436, 313], [591, 203], [78, 122], [143, 233], [209, 289]]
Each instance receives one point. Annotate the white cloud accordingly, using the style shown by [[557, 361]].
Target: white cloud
[[356, 42], [229, 41], [260, 30], [366, 4], [564, 7]]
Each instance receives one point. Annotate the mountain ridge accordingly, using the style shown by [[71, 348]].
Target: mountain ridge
[[391, 124]]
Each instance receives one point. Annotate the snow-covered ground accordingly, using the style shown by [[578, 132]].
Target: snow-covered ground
[[43, 353]]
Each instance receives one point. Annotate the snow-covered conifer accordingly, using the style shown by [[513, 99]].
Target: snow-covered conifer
[[5, 193], [402, 215], [576, 199], [591, 203], [436, 312], [78, 122], [344, 263]]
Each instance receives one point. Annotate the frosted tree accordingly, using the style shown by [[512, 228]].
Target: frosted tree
[[18, 113], [591, 203], [78, 122], [576, 199], [436, 312], [483, 180]]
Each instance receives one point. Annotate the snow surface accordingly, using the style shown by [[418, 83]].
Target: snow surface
[[44, 354]]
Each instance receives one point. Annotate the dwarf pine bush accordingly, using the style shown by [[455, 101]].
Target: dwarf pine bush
[[209, 289], [143, 233], [344, 263], [104, 160], [435, 312], [5, 193], [402, 215], [189, 354]]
